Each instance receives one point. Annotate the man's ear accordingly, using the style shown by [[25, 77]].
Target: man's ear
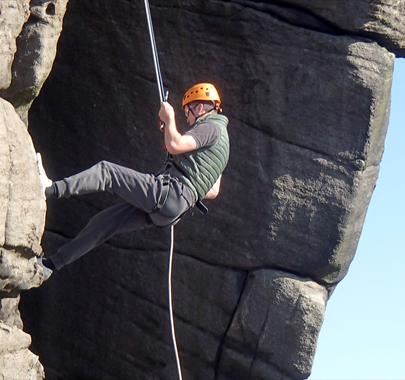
[[200, 108]]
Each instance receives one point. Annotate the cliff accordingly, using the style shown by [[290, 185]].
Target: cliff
[[28, 36], [306, 86]]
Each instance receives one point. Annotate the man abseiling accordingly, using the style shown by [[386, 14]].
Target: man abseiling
[[192, 173]]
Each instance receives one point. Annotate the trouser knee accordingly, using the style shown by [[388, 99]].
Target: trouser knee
[[105, 165], [106, 168]]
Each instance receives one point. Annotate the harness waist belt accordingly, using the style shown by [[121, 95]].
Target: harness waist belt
[[199, 204], [202, 207]]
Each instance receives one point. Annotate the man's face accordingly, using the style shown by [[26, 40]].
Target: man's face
[[190, 118]]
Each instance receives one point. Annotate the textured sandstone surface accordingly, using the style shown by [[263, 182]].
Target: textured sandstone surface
[[22, 221], [36, 50], [274, 330], [13, 14], [23, 209], [307, 88], [27, 49], [382, 21], [16, 361]]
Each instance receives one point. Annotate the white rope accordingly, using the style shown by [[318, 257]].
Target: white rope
[[171, 303], [163, 97]]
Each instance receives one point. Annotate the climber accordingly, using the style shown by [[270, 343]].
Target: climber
[[192, 172]]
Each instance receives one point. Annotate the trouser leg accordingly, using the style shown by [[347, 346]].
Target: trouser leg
[[119, 218], [139, 189]]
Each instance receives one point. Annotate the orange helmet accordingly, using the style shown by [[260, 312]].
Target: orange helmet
[[202, 91]]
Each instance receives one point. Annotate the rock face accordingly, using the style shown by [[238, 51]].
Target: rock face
[[16, 361], [306, 86], [273, 332], [22, 222], [381, 21], [22, 207], [36, 49], [13, 14]]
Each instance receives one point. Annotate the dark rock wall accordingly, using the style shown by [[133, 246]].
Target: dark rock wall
[[308, 98]]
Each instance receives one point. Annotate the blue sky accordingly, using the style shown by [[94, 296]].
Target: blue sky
[[363, 335]]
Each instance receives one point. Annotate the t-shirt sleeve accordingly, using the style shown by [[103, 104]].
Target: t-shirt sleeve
[[205, 134]]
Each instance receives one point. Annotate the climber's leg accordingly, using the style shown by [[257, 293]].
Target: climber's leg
[[119, 218], [138, 189]]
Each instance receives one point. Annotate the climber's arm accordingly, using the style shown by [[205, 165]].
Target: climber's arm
[[213, 193], [175, 142]]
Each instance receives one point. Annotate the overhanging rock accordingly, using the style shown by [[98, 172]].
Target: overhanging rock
[[307, 89], [382, 21]]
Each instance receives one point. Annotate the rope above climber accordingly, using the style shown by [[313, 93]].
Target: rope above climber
[[192, 173]]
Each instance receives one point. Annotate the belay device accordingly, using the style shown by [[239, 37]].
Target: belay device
[[163, 98]]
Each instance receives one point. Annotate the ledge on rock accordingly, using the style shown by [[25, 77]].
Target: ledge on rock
[[381, 21]]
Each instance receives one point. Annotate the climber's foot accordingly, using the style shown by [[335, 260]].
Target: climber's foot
[[47, 267], [45, 181]]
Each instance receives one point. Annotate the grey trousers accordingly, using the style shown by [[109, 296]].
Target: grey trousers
[[140, 193]]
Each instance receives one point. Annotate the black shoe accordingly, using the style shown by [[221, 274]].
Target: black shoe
[[45, 265]]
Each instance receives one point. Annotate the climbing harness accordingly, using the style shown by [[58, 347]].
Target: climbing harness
[[165, 184]]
